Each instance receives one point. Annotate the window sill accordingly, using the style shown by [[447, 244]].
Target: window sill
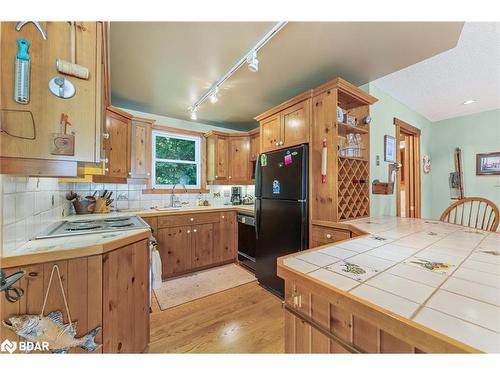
[[176, 191]]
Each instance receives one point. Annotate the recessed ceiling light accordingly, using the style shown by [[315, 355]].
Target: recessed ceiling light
[[470, 101]]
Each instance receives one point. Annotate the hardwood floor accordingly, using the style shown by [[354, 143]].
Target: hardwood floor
[[245, 319]]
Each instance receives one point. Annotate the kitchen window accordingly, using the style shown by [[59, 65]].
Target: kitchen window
[[176, 160]]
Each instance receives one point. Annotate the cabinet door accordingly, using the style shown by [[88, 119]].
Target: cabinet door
[[225, 238], [140, 149], [174, 245], [202, 245], [270, 132], [254, 146], [117, 145], [239, 159], [295, 124], [43, 112], [221, 159], [125, 292]]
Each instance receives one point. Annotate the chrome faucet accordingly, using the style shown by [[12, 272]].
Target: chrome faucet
[[174, 200]]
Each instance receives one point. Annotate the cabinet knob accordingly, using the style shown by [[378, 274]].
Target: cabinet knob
[[106, 169], [223, 216], [105, 160], [105, 135], [229, 176], [148, 174], [216, 176], [328, 236], [188, 231], [281, 143], [192, 219], [277, 144], [195, 230], [130, 173]]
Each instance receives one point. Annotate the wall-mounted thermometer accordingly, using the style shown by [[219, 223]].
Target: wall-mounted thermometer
[[22, 84]]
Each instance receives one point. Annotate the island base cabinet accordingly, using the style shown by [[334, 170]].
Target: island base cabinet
[[82, 283], [314, 325], [126, 299]]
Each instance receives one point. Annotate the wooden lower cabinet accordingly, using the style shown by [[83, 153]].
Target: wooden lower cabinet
[[110, 290], [209, 241], [314, 325], [322, 235]]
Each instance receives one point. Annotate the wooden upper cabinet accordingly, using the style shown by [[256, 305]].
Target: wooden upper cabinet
[[239, 148], [286, 125], [254, 145], [117, 143], [43, 112], [217, 157], [140, 163], [295, 124], [270, 133]]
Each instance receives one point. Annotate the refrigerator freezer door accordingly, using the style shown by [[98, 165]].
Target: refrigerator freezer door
[[281, 227], [282, 174]]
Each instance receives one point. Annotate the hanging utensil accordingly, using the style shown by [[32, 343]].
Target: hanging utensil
[[12, 293], [21, 24], [72, 68], [22, 84]]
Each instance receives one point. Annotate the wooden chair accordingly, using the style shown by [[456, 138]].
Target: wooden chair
[[474, 212]]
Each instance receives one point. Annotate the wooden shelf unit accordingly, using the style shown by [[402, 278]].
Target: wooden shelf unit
[[346, 193]]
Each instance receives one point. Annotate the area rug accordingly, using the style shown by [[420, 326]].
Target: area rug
[[200, 284]]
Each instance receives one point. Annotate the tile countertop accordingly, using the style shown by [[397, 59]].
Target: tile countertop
[[52, 249], [442, 276]]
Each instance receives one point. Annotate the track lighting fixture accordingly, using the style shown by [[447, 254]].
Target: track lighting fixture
[[213, 97], [253, 62], [253, 65]]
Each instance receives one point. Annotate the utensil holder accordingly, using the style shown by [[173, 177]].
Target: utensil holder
[[101, 207]]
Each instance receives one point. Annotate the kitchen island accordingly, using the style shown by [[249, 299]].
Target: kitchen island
[[405, 286]]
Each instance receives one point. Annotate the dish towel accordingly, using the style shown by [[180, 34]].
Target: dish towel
[[155, 266]]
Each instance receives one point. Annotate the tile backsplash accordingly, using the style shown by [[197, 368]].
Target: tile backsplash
[[31, 205]]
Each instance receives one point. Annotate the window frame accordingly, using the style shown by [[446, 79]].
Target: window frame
[[197, 161]]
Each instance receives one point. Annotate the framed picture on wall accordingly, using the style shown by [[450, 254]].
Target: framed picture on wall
[[389, 149], [488, 164]]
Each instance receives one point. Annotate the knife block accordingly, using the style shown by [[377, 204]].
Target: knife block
[[101, 207]]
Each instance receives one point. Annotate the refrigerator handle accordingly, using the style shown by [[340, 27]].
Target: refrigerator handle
[[258, 204], [258, 177]]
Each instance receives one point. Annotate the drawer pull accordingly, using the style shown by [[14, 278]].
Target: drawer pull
[[188, 231], [192, 219], [223, 216], [195, 230], [329, 236]]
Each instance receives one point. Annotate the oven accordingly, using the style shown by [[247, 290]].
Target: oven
[[246, 240]]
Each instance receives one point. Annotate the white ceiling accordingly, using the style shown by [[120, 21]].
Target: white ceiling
[[437, 87], [163, 67]]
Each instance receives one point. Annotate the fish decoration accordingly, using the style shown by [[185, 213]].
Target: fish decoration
[[432, 266], [51, 329]]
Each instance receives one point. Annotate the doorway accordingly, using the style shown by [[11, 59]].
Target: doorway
[[408, 203]]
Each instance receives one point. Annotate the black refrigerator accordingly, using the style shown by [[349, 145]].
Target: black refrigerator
[[281, 211]]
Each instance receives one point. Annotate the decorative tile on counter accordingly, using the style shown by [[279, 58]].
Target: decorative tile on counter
[[482, 266], [417, 274], [432, 264], [338, 252], [480, 313], [478, 277], [478, 337], [392, 252], [473, 290], [317, 258], [412, 290], [386, 300], [441, 257], [353, 270], [299, 265], [334, 279], [378, 264], [373, 241]]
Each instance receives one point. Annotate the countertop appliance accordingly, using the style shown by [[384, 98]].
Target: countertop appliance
[[246, 240], [281, 211], [91, 226], [236, 195]]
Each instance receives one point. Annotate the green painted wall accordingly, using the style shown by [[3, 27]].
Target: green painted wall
[[383, 113], [478, 133]]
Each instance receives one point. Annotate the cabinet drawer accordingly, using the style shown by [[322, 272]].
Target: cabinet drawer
[[326, 235], [178, 220]]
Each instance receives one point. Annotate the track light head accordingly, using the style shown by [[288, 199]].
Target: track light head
[[193, 115], [253, 62], [213, 97]]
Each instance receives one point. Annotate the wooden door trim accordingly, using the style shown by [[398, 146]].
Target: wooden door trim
[[415, 132]]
